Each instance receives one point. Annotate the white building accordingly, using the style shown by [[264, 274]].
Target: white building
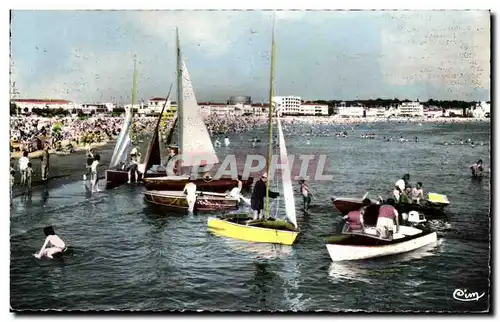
[[411, 109], [481, 110], [27, 105], [349, 111], [221, 109], [313, 109], [287, 105], [156, 104], [376, 112]]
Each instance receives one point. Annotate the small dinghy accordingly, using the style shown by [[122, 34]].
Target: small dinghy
[[205, 201], [356, 244]]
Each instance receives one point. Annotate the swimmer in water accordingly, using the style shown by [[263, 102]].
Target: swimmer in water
[[58, 245]]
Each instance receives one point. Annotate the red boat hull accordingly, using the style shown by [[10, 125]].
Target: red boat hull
[[220, 185], [344, 205], [179, 202]]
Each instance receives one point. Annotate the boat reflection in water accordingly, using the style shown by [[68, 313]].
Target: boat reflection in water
[[259, 250], [369, 270]]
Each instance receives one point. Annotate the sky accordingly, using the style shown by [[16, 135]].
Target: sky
[[87, 56]]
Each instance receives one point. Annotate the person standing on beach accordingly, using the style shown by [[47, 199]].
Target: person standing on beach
[[23, 165], [45, 163]]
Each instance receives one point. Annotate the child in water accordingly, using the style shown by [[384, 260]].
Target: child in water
[[29, 174], [58, 244], [306, 193]]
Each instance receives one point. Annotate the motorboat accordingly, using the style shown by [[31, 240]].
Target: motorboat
[[358, 244], [434, 205]]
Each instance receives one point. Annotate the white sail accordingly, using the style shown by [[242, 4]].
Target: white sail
[[195, 142], [123, 142], [286, 180]]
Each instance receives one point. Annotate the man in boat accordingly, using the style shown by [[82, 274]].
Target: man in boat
[[171, 155], [400, 186], [477, 168], [190, 192], [51, 238], [258, 195], [387, 216]]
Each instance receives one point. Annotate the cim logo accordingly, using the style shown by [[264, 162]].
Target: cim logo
[[463, 295]]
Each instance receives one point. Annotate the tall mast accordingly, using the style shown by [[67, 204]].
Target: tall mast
[[134, 98], [271, 111], [179, 91]]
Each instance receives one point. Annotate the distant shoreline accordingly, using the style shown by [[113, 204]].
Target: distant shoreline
[[361, 120]]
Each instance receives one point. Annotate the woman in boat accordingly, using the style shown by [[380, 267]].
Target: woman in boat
[[387, 216], [417, 193], [354, 220], [51, 238], [258, 195]]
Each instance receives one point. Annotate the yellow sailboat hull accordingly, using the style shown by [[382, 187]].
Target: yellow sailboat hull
[[229, 229]]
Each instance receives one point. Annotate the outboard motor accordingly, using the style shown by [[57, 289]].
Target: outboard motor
[[415, 217]]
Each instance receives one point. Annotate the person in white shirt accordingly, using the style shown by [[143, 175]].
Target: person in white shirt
[[236, 192], [95, 173], [134, 166], [190, 192], [51, 238], [400, 186], [226, 141], [23, 165]]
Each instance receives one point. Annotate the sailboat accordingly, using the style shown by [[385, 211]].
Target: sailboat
[[117, 173], [195, 145], [194, 140], [269, 230]]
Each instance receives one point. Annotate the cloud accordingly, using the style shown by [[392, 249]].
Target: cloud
[[85, 76], [213, 31], [449, 49]]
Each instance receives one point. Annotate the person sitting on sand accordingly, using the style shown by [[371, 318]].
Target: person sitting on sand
[[51, 238]]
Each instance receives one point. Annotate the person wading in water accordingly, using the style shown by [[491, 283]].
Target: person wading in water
[[90, 160]]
